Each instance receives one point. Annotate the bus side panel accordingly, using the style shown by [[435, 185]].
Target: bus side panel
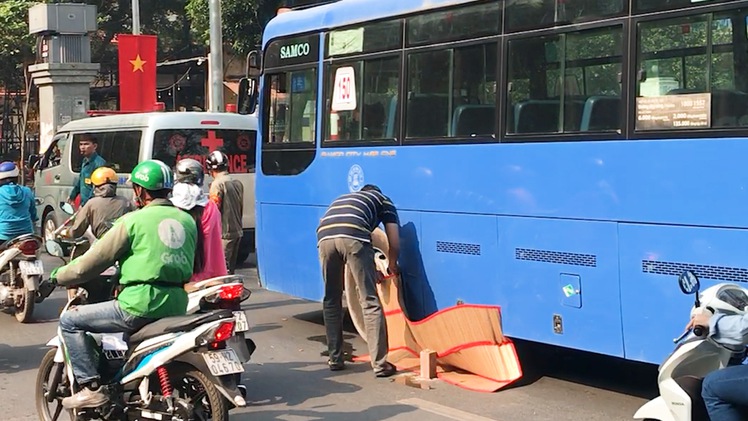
[[654, 309], [563, 271], [289, 248], [460, 253]]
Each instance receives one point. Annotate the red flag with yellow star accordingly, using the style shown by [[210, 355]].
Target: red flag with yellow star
[[137, 72]]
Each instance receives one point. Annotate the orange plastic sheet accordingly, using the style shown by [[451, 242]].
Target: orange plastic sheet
[[471, 349]]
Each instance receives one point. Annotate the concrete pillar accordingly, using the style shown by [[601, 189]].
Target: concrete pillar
[[64, 95]]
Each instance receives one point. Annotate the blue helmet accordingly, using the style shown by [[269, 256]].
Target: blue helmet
[[8, 170]]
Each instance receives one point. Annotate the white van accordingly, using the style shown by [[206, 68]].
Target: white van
[[126, 139]]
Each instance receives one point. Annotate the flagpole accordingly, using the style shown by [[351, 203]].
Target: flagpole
[[136, 17], [215, 59]]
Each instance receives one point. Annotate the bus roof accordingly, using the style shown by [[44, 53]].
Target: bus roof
[[144, 119], [343, 13]]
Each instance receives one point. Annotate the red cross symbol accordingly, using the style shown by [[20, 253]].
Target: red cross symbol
[[211, 142]]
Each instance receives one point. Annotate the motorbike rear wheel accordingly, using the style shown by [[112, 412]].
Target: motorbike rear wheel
[[195, 387], [49, 370], [25, 306]]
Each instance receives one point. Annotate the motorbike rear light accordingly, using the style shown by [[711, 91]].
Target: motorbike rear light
[[216, 335], [28, 247], [229, 292], [224, 331]]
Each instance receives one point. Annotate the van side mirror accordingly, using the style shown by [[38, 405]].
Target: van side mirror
[[32, 160], [247, 98]]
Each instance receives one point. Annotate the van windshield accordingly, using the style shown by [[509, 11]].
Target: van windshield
[[173, 145]]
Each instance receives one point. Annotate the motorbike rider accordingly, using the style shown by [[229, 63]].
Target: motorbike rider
[[155, 247], [724, 390], [94, 219], [188, 195], [105, 207], [17, 206]]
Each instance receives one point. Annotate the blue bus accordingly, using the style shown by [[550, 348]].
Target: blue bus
[[564, 160]]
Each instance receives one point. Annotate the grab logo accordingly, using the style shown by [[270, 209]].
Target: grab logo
[[172, 233]]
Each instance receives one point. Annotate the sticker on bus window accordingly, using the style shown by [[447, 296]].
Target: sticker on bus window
[[298, 83], [344, 90]]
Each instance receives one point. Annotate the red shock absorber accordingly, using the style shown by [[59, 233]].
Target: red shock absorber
[[163, 378]]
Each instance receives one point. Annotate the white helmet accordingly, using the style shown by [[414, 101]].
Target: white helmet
[[8, 170]]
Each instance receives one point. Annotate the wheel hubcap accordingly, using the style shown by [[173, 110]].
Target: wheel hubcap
[[49, 228]]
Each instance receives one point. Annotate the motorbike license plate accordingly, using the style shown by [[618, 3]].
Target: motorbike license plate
[[34, 267], [241, 322], [221, 363]]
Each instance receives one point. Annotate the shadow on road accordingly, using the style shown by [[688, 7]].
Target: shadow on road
[[294, 383], [374, 413], [20, 358]]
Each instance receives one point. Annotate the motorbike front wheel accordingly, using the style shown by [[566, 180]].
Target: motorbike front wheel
[[51, 379], [195, 387], [25, 305]]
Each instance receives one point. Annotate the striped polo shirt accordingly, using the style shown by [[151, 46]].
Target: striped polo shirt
[[356, 215]]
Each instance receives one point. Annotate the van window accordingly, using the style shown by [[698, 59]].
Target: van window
[[120, 150], [173, 145], [52, 157]]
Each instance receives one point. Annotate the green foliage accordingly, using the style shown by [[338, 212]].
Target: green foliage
[[15, 42], [242, 21]]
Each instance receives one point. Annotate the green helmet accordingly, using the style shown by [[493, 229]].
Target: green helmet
[[152, 175]]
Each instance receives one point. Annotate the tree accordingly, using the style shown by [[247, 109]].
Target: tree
[[243, 21], [16, 45]]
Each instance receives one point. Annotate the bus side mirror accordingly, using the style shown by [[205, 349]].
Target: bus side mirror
[[247, 98], [254, 64]]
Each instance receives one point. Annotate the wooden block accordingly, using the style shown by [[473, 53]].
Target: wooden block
[[428, 364]]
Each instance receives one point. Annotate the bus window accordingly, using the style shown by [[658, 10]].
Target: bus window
[[372, 113], [692, 67], [455, 24], [653, 5], [530, 14], [452, 92], [292, 106], [369, 38], [565, 83]]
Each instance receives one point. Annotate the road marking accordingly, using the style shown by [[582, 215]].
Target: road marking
[[442, 410]]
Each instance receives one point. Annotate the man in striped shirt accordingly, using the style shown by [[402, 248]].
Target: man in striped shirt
[[344, 238]]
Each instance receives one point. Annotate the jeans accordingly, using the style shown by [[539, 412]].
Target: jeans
[[334, 254], [106, 317], [725, 393]]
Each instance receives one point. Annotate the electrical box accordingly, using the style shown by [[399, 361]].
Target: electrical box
[[64, 49], [62, 18]]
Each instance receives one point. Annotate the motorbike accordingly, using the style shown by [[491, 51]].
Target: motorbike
[[226, 293], [176, 368], [21, 273], [681, 375]]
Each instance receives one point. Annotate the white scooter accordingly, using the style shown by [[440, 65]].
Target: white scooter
[[681, 375], [21, 273], [176, 368]]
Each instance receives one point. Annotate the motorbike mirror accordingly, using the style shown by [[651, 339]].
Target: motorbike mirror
[[67, 208], [54, 248], [688, 282]]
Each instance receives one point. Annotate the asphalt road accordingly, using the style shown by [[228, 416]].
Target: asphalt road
[[288, 378]]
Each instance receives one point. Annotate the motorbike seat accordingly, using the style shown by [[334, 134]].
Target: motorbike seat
[[175, 324]]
